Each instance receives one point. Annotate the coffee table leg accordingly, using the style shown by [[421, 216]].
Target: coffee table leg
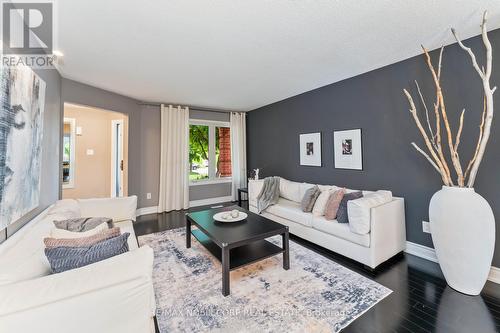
[[225, 271], [188, 233], [286, 251]]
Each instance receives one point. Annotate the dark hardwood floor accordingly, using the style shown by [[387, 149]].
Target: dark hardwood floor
[[421, 301]]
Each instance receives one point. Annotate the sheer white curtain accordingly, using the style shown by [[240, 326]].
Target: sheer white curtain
[[238, 152], [174, 160]]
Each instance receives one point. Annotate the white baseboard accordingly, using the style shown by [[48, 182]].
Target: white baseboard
[[147, 210], [211, 201], [421, 251], [429, 253], [494, 274]]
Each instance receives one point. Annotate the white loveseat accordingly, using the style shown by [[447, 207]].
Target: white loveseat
[[383, 237], [114, 295]]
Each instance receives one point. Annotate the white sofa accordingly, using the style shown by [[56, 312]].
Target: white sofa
[[114, 295], [385, 225]]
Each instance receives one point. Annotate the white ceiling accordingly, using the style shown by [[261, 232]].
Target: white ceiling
[[240, 55]]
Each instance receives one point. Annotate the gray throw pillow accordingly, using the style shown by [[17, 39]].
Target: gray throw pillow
[[81, 224], [342, 212], [65, 258], [309, 199]]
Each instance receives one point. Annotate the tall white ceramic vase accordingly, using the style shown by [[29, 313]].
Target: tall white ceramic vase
[[463, 233]]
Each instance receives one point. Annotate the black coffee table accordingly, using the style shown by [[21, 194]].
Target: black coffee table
[[236, 244]]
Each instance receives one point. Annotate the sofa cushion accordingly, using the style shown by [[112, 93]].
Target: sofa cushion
[[118, 209], [339, 230], [65, 258], [309, 199], [290, 190], [290, 210], [254, 188], [69, 208], [342, 216], [359, 210]]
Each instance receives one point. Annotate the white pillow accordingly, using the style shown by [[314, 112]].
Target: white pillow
[[359, 210], [290, 190], [66, 207], [320, 204], [327, 187], [61, 233]]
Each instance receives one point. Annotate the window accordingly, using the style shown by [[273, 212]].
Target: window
[[209, 151]]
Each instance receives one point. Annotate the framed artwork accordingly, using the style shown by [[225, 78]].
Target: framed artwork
[[21, 126], [348, 149], [310, 149]]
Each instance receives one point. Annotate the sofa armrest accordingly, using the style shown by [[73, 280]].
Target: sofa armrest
[[114, 295], [388, 230], [119, 209], [254, 188]]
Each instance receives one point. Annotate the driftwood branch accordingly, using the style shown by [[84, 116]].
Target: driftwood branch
[[481, 126], [436, 159], [435, 154], [426, 156], [485, 75], [440, 105], [433, 141]]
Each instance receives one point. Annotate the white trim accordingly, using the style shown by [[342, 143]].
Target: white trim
[[494, 275], [214, 123], [430, 254], [421, 251], [146, 210], [72, 152], [115, 122], [211, 181], [211, 201]]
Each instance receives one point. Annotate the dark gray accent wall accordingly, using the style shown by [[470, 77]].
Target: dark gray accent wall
[[374, 102], [150, 155], [52, 124]]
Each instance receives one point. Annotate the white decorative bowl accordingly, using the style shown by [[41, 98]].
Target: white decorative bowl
[[241, 217]]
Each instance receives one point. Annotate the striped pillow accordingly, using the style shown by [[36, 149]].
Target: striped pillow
[[65, 258], [83, 241]]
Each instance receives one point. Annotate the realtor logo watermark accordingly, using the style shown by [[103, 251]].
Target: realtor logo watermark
[[27, 34]]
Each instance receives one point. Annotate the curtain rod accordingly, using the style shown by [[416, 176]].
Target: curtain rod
[[192, 107]]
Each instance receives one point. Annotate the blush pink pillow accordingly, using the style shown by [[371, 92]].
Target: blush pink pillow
[[83, 241], [333, 203]]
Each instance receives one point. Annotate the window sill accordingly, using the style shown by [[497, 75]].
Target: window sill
[[210, 181]]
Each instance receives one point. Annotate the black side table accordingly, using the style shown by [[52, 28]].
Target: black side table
[[240, 190]]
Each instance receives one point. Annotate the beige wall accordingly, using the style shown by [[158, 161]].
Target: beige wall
[[93, 172]]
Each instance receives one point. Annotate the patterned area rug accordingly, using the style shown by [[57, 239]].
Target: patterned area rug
[[315, 295]]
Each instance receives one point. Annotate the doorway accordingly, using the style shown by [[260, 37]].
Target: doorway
[[95, 153]]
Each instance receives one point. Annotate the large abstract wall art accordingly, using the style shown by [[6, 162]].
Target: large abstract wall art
[[21, 128]]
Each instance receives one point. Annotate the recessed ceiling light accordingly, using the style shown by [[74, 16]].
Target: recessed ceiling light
[[58, 53]]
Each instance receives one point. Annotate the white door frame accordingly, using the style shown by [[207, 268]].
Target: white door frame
[[72, 152], [114, 147]]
